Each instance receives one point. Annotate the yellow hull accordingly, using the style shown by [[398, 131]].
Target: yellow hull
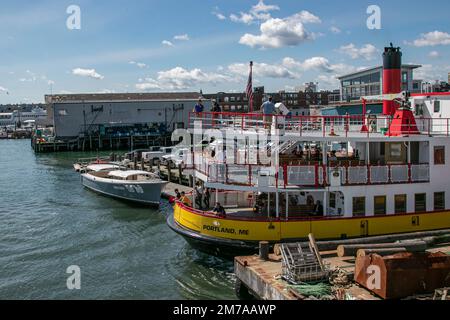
[[328, 228]]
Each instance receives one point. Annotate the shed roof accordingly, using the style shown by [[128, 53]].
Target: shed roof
[[100, 97]]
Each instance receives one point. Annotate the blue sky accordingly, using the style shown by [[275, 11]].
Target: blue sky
[[138, 46]]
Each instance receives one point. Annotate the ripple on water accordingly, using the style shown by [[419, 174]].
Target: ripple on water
[[50, 222]]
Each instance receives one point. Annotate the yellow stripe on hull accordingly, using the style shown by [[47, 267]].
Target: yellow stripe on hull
[[331, 228]]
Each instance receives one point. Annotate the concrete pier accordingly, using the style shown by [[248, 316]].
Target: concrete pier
[[263, 277]]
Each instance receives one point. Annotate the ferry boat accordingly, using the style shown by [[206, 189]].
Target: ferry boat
[[337, 177], [15, 117]]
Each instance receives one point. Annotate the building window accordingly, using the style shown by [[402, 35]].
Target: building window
[[404, 77], [439, 201], [437, 106], [359, 206], [400, 203], [420, 201], [439, 155], [379, 205]]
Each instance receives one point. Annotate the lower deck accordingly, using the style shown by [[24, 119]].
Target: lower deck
[[250, 229]]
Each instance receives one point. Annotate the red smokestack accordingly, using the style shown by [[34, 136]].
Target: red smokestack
[[392, 76]]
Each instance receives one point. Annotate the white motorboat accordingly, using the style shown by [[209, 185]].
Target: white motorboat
[[132, 185]]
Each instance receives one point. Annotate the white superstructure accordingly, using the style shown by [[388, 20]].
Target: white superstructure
[[13, 118]]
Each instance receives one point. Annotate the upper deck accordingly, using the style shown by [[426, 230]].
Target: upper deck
[[318, 128]]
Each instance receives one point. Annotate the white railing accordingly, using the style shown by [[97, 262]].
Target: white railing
[[357, 175], [420, 172], [324, 125], [311, 175], [301, 175], [379, 174], [399, 173]]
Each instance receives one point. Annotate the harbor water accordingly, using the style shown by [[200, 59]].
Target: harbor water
[[50, 222]]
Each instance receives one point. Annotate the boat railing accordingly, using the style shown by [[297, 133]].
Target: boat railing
[[86, 161], [313, 175], [319, 125]]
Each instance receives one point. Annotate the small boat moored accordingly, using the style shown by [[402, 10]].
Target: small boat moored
[[132, 185]]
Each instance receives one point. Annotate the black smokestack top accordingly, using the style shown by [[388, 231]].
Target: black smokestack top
[[392, 58]]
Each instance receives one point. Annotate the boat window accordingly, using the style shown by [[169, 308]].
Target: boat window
[[332, 200], [439, 155], [439, 201], [359, 206], [437, 106], [400, 203], [420, 200], [379, 205]]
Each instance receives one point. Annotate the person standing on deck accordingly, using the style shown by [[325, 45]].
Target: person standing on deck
[[185, 200], [177, 195], [206, 198], [216, 109], [318, 209], [219, 210], [199, 108], [268, 109], [198, 194]]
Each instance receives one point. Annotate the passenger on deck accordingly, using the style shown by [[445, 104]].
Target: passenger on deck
[[177, 194], [318, 209], [206, 198], [198, 195], [268, 109], [219, 210], [199, 108], [185, 200], [216, 107]]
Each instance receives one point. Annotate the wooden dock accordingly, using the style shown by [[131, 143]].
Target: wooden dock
[[262, 278]]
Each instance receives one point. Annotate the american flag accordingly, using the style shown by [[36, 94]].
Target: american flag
[[249, 89]]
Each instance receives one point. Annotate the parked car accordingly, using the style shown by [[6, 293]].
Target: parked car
[[157, 155], [177, 157], [139, 153]]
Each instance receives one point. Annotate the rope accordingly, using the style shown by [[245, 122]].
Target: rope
[[316, 290]]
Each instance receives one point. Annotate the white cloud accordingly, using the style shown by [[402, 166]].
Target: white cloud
[[260, 11], [243, 18], [167, 43], [434, 54], [316, 63], [330, 82], [138, 64], [91, 73], [277, 33], [179, 78], [335, 30], [262, 7], [367, 51], [3, 89], [218, 14], [182, 37], [262, 70], [430, 73], [106, 91], [433, 38]]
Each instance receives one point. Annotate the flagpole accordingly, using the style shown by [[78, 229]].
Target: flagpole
[[251, 96]]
